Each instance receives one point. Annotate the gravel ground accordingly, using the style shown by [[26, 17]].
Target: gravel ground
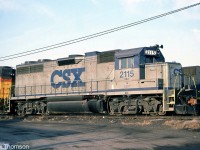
[[100, 132]]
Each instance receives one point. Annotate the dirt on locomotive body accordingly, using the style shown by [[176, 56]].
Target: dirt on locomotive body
[[127, 82]]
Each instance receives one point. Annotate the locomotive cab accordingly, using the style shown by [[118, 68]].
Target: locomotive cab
[[138, 69]]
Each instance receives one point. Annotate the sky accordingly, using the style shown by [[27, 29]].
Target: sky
[[30, 24]]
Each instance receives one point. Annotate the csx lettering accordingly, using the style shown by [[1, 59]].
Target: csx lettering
[[150, 52], [65, 75]]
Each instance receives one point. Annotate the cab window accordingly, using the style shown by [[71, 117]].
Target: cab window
[[123, 63], [126, 63]]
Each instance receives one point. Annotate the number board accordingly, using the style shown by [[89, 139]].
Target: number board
[[150, 52]]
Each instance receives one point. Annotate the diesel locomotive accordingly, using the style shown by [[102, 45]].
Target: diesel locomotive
[[7, 77], [131, 81]]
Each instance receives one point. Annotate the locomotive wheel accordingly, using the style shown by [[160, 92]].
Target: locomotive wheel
[[44, 111], [111, 112], [124, 110], [160, 111], [21, 112]]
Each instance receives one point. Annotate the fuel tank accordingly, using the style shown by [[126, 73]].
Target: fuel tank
[[83, 106], [68, 106]]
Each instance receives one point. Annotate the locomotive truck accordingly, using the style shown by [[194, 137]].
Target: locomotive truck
[[131, 81]]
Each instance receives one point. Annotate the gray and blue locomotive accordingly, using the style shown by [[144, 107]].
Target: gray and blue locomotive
[[132, 81]]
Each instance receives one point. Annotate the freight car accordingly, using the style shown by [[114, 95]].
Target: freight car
[[7, 76], [132, 81]]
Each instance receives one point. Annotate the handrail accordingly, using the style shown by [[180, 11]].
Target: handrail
[[34, 90]]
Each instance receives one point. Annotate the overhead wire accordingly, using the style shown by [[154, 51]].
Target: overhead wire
[[73, 41]]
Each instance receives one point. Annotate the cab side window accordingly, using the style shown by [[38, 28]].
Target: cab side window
[[123, 63], [126, 63], [131, 62]]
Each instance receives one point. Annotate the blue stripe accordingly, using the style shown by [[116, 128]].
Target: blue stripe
[[101, 91]]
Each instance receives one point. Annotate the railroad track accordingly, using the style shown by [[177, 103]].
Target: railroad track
[[97, 117]]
